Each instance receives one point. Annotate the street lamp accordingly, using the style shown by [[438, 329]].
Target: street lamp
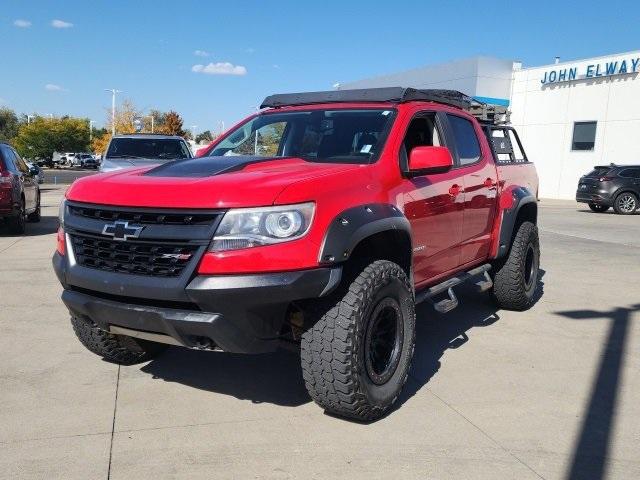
[[91, 122], [151, 117], [113, 108], [29, 117], [193, 132]]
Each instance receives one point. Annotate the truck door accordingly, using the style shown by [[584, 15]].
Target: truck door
[[433, 204], [477, 169]]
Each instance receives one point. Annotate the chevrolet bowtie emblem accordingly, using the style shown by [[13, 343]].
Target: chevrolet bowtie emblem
[[121, 231]]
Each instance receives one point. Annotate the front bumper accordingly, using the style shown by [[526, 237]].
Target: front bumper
[[236, 313]]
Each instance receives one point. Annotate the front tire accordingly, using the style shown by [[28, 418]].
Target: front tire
[[114, 348], [598, 208], [356, 357], [626, 203], [516, 280]]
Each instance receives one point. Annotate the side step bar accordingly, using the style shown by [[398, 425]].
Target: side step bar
[[451, 301]]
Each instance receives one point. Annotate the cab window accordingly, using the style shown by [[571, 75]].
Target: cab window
[[466, 140]]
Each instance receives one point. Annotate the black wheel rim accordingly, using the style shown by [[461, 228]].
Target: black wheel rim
[[530, 267], [383, 341]]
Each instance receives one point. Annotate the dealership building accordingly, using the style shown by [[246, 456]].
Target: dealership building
[[570, 115]]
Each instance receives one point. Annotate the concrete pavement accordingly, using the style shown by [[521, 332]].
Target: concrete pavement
[[549, 393]]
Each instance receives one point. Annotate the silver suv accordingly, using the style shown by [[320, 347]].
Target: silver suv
[[126, 151]]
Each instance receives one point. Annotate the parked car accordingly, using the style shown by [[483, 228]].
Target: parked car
[[19, 191], [316, 225], [126, 151], [36, 171], [69, 159], [606, 186], [85, 160]]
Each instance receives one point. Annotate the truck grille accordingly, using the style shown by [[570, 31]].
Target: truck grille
[[144, 217], [160, 259]]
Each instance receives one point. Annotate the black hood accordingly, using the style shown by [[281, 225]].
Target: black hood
[[205, 166]]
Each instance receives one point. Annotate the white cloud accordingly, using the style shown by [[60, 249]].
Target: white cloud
[[220, 68], [61, 24], [22, 23], [201, 53], [52, 87]]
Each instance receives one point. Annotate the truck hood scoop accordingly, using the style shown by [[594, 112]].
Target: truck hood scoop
[[205, 166]]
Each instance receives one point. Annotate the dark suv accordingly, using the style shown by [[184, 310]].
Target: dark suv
[[616, 186], [19, 191]]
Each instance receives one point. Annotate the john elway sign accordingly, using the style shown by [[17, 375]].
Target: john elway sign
[[594, 70]]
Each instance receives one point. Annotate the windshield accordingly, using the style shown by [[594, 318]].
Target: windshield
[[331, 136], [154, 148]]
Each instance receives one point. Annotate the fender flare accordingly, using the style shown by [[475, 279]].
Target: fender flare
[[511, 202], [355, 224]]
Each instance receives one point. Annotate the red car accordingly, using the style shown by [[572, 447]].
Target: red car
[[316, 224], [19, 191]]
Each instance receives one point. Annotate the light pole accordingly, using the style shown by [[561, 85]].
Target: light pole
[[193, 132], [29, 117], [113, 108], [91, 122], [151, 117]]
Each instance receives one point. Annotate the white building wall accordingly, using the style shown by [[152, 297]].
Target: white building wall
[[544, 114]]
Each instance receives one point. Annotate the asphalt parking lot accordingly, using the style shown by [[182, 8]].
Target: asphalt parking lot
[[549, 393]]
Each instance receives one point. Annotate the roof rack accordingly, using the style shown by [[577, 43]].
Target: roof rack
[[484, 112]]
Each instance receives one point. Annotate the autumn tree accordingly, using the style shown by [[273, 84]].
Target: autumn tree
[[172, 124], [124, 116]]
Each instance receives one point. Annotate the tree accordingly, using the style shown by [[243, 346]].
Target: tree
[[43, 136], [204, 137], [8, 124], [172, 125]]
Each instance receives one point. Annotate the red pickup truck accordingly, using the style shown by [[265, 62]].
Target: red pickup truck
[[316, 224]]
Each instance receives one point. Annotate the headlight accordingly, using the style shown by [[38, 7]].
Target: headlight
[[254, 227]]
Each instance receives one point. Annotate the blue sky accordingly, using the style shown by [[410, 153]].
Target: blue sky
[[59, 56]]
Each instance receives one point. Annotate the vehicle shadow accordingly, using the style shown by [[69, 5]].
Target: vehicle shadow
[[271, 377], [46, 226], [436, 332], [277, 378]]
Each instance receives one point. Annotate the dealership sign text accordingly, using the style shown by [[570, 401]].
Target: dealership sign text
[[606, 69]]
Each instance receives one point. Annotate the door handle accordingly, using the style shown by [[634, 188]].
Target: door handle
[[454, 190]]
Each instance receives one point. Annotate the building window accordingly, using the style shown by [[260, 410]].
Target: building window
[[584, 136]]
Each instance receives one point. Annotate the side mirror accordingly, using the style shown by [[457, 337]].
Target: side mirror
[[425, 160], [33, 171]]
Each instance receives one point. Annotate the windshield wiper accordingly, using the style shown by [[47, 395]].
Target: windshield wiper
[[128, 156]]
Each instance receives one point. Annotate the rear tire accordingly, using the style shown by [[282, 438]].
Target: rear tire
[[17, 224], [516, 280], [598, 208], [626, 203], [356, 357], [114, 348], [35, 216]]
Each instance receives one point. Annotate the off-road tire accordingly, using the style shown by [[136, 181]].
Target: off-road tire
[[114, 348], [626, 203], [598, 208], [35, 216], [17, 224], [514, 283], [334, 367]]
